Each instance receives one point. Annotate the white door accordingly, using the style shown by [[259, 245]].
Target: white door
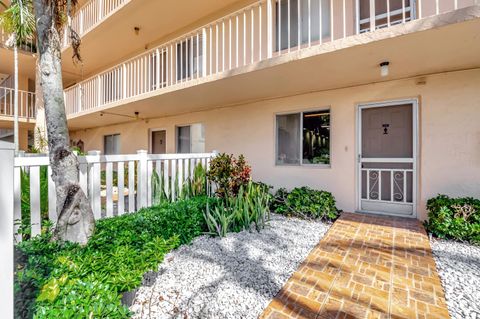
[[387, 158]]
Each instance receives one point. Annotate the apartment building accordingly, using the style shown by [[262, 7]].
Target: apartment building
[[377, 101]]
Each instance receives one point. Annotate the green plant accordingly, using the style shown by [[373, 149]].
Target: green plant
[[55, 280], [306, 203], [457, 218], [228, 174], [249, 207]]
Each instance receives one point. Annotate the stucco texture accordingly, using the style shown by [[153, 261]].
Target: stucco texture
[[449, 135]]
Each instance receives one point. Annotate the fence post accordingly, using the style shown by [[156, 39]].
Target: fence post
[[94, 193], [6, 228], [142, 188]]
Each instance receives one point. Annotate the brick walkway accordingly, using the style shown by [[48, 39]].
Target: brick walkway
[[365, 267]]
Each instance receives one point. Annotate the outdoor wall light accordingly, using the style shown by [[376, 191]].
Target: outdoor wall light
[[384, 68]]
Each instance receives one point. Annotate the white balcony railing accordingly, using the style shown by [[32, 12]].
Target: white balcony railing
[[258, 32], [91, 14], [26, 103]]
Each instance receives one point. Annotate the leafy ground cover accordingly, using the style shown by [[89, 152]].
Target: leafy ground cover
[[55, 280]]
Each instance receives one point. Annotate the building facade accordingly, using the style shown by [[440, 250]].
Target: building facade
[[376, 101]]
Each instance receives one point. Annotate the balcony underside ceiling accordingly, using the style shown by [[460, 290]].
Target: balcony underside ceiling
[[437, 49], [7, 122], [115, 39], [26, 63]]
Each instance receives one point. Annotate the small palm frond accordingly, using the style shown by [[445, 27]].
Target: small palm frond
[[18, 19]]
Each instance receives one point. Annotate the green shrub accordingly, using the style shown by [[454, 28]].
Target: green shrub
[[55, 280], [249, 207], [228, 174], [457, 218], [305, 202]]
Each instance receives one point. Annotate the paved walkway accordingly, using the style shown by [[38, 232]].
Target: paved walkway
[[365, 267]]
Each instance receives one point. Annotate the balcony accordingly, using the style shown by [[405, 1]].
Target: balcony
[[26, 105], [265, 34], [91, 14]]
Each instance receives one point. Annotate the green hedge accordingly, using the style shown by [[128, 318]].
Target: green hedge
[[56, 280], [305, 202], [456, 218]]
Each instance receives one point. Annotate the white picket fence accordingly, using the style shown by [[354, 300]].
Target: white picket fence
[[133, 188]]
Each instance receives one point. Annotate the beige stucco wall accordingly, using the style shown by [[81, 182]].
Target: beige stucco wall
[[449, 148]]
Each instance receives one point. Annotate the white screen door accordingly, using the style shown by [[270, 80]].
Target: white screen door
[[387, 158]]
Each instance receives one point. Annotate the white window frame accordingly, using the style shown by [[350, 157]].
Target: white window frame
[[301, 112]]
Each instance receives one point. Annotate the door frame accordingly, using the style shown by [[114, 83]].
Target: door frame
[[415, 133], [150, 139]]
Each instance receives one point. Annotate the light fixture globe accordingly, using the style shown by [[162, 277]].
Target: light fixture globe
[[384, 68]]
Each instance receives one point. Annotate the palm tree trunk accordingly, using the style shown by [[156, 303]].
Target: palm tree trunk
[[15, 94], [75, 217]]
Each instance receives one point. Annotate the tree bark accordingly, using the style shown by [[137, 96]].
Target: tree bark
[[75, 217], [40, 134]]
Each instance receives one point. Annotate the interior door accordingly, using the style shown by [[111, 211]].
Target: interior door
[[159, 144], [387, 159]]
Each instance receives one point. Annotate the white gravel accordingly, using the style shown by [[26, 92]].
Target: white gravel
[[458, 265], [233, 277]]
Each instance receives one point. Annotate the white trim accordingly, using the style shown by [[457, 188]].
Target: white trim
[[414, 160]]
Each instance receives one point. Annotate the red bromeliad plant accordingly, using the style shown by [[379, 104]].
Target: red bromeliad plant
[[228, 174]]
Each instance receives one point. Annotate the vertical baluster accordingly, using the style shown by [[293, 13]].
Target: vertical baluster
[[166, 177], [216, 49], [252, 36], [198, 55], [191, 57], [392, 176], [149, 182], [279, 8], [345, 19], [109, 189], [244, 38], [95, 186], [419, 9], [388, 13], [204, 52], [171, 64], [223, 45], [404, 11], [368, 184], [230, 43], [260, 44], [173, 179], [455, 4], [288, 25], [182, 77], [320, 21], [437, 7], [299, 25], [404, 186], [332, 33], [237, 51], [120, 188], [180, 176], [210, 53], [309, 10], [35, 220], [17, 201], [131, 187], [379, 184]]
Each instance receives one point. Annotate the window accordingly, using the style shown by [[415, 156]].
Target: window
[[189, 58], [303, 138], [191, 138], [282, 21], [111, 144], [397, 10]]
